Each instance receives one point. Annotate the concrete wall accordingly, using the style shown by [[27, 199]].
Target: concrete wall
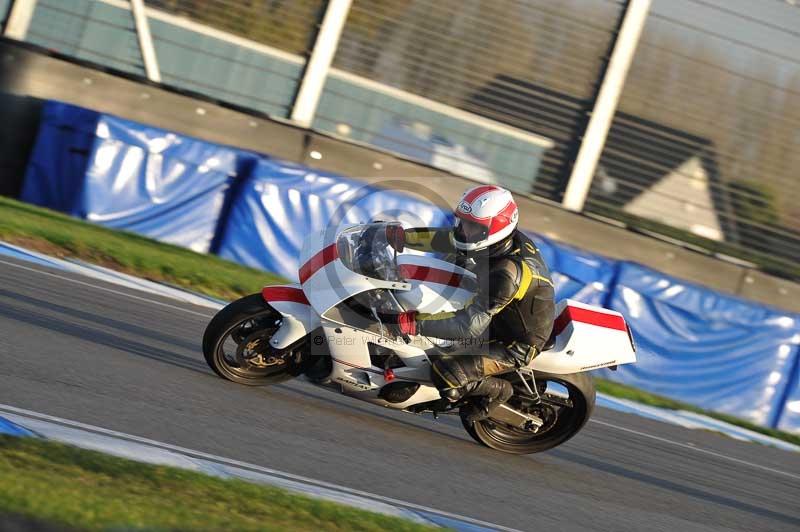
[[29, 76]]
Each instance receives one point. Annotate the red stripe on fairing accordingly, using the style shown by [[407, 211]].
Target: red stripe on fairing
[[472, 196], [591, 317], [274, 294], [318, 261], [428, 274]]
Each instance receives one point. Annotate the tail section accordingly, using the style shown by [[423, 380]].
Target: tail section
[[586, 338]]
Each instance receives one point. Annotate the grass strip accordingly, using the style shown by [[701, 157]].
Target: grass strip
[[56, 234], [63, 236], [622, 391], [86, 490]]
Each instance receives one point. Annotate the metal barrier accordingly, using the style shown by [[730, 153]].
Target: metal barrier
[[251, 54], [699, 145], [461, 54], [88, 30], [706, 138]]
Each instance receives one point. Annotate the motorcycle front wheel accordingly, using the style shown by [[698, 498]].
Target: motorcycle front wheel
[[236, 344], [568, 403]]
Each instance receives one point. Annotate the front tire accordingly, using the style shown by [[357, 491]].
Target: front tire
[[236, 344], [563, 423]]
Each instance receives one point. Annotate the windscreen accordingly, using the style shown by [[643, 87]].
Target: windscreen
[[365, 249]]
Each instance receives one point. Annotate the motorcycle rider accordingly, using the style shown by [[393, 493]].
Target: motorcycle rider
[[509, 320]]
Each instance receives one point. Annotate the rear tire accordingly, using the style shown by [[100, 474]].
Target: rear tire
[[250, 321], [565, 425]]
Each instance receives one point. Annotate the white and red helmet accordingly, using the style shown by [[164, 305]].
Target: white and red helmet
[[485, 216]]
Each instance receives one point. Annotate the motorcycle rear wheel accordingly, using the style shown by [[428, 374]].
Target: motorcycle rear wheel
[[236, 344], [567, 422]]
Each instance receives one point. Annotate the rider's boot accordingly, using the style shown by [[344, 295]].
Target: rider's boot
[[488, 394]]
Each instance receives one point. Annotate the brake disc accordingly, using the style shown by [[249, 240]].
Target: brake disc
[[250, 352]]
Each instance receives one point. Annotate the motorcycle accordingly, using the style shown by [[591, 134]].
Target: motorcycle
[[332, 327]]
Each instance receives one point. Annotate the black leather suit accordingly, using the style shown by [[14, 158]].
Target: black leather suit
[[511, 316]]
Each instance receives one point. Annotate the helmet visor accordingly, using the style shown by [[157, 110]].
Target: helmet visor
[[469, 232]]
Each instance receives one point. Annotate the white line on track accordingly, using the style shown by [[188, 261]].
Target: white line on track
[[8, 409], [696, 449], [105, 289], [597, 421]]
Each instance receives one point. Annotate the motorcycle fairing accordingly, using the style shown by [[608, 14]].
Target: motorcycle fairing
[[436, 285], [586, 338], [326, 281], [298, 317], [353, 370]]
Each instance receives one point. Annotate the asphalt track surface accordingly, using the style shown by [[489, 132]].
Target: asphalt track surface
[[116, 358]]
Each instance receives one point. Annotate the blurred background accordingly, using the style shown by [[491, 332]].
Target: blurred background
[[703, 146]]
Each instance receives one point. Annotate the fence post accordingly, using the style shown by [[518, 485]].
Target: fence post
[[316, 71], [607, 99], [145, 41], [19, 19]]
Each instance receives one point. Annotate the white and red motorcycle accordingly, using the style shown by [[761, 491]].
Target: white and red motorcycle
[[329, 328]]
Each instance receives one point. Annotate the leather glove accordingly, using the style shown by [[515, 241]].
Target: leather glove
[[521, 353]]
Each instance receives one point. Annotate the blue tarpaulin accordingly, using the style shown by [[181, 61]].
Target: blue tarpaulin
[[128, 176], [698, 346], [789, 418], [577, 274], [56, 170], [281, 203], [12, 429]]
